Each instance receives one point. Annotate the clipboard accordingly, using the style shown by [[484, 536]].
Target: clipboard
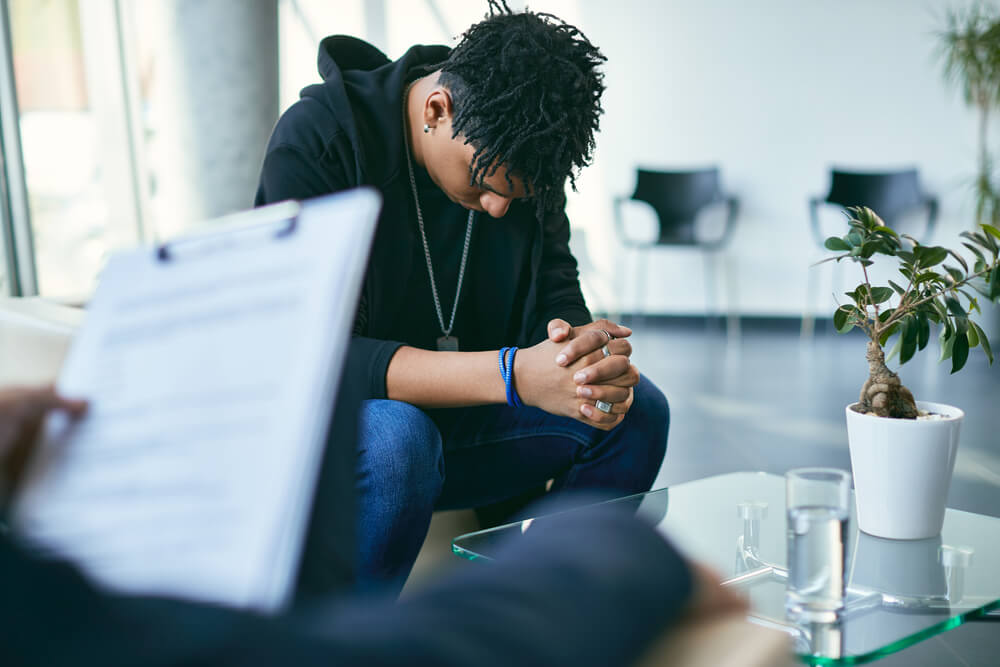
[[211, 364]]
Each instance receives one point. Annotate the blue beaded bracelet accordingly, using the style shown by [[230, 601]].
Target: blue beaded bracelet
[[506, 363]]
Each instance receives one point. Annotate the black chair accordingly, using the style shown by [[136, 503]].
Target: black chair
[[678, 197], [891, 194]]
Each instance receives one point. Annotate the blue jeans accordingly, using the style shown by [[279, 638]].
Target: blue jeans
[[412, 462]]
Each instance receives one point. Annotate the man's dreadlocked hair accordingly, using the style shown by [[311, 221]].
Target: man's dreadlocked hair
[[527, 95]]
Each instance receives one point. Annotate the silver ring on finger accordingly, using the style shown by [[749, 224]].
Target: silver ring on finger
[[604, 407], [608, 334], [606, 351]]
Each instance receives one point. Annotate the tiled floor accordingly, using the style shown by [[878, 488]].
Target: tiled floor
[[770, 401]]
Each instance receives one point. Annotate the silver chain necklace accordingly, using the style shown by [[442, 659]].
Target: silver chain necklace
[[447, 342]]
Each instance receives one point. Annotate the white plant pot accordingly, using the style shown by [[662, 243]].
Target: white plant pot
[[902, 469]]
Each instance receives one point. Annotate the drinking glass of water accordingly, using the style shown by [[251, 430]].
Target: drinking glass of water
[[817, 504]]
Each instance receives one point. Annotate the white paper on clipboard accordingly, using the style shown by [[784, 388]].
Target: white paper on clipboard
[[211, 368]]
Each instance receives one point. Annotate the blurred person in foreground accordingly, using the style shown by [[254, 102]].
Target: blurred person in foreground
[[471, 149], [595, 587]]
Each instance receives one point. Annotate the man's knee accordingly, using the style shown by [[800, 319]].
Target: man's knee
[[400, 450]]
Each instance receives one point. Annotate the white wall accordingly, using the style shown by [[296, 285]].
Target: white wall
[[775, 92]]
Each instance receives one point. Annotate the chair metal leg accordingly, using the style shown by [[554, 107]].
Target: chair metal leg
[[711, 309], [729, 266], [641, 276]]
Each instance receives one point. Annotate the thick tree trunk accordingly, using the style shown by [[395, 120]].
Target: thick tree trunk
[[883, 394]]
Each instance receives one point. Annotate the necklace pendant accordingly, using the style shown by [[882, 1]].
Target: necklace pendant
[[447, 344]]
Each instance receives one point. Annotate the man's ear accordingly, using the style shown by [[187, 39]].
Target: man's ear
[[438, 107]]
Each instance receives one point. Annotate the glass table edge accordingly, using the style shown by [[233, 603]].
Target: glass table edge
[[470, 555], [951, 623]]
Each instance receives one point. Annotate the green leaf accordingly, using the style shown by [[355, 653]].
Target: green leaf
[[837, 244], [992, 231], [973, 302], [843, 320], [868, 248], [923, 331], [981, 240], [893, 328], [960, 352], [854, 240], [987, 241], [977, 252], [955, 307], [929, 256], [947, 345], [961, 260], [973, 335], [899, 290], [926, 276], [886, 230], [984, 341], [995, 283], [909, 337], [881, 294], [906, 256], [955, 274], [941, 310]]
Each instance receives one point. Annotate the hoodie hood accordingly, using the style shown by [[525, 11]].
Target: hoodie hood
[[363, 90], [340, 52]]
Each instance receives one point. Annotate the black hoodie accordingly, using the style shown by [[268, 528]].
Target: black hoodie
[[347, 132]]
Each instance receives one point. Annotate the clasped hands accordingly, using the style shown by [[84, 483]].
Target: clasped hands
[[568, 373]]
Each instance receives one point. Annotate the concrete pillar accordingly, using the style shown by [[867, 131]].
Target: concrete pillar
[[213, 104]]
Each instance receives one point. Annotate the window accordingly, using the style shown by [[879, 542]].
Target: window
[[75, 140]]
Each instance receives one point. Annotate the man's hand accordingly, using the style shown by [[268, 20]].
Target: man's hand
[[558, 390], [588, 338], [21, 413], [599, 378]]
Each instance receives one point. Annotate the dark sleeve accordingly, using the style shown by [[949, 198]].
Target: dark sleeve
[[558, 282], [290, 174], [594, 588], [591, 588]]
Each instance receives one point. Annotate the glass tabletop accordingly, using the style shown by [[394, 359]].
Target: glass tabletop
[[899, 592]]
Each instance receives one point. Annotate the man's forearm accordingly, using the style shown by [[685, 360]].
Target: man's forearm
[[444, 379]]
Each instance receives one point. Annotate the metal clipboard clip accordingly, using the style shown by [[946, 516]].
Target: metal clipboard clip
[[237, 226]]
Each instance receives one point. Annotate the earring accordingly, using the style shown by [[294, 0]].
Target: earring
[[427, 128]]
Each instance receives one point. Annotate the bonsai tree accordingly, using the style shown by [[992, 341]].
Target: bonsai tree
[[930, 292], [970, 51]]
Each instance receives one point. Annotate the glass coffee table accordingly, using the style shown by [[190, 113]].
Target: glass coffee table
[[898, 592]]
